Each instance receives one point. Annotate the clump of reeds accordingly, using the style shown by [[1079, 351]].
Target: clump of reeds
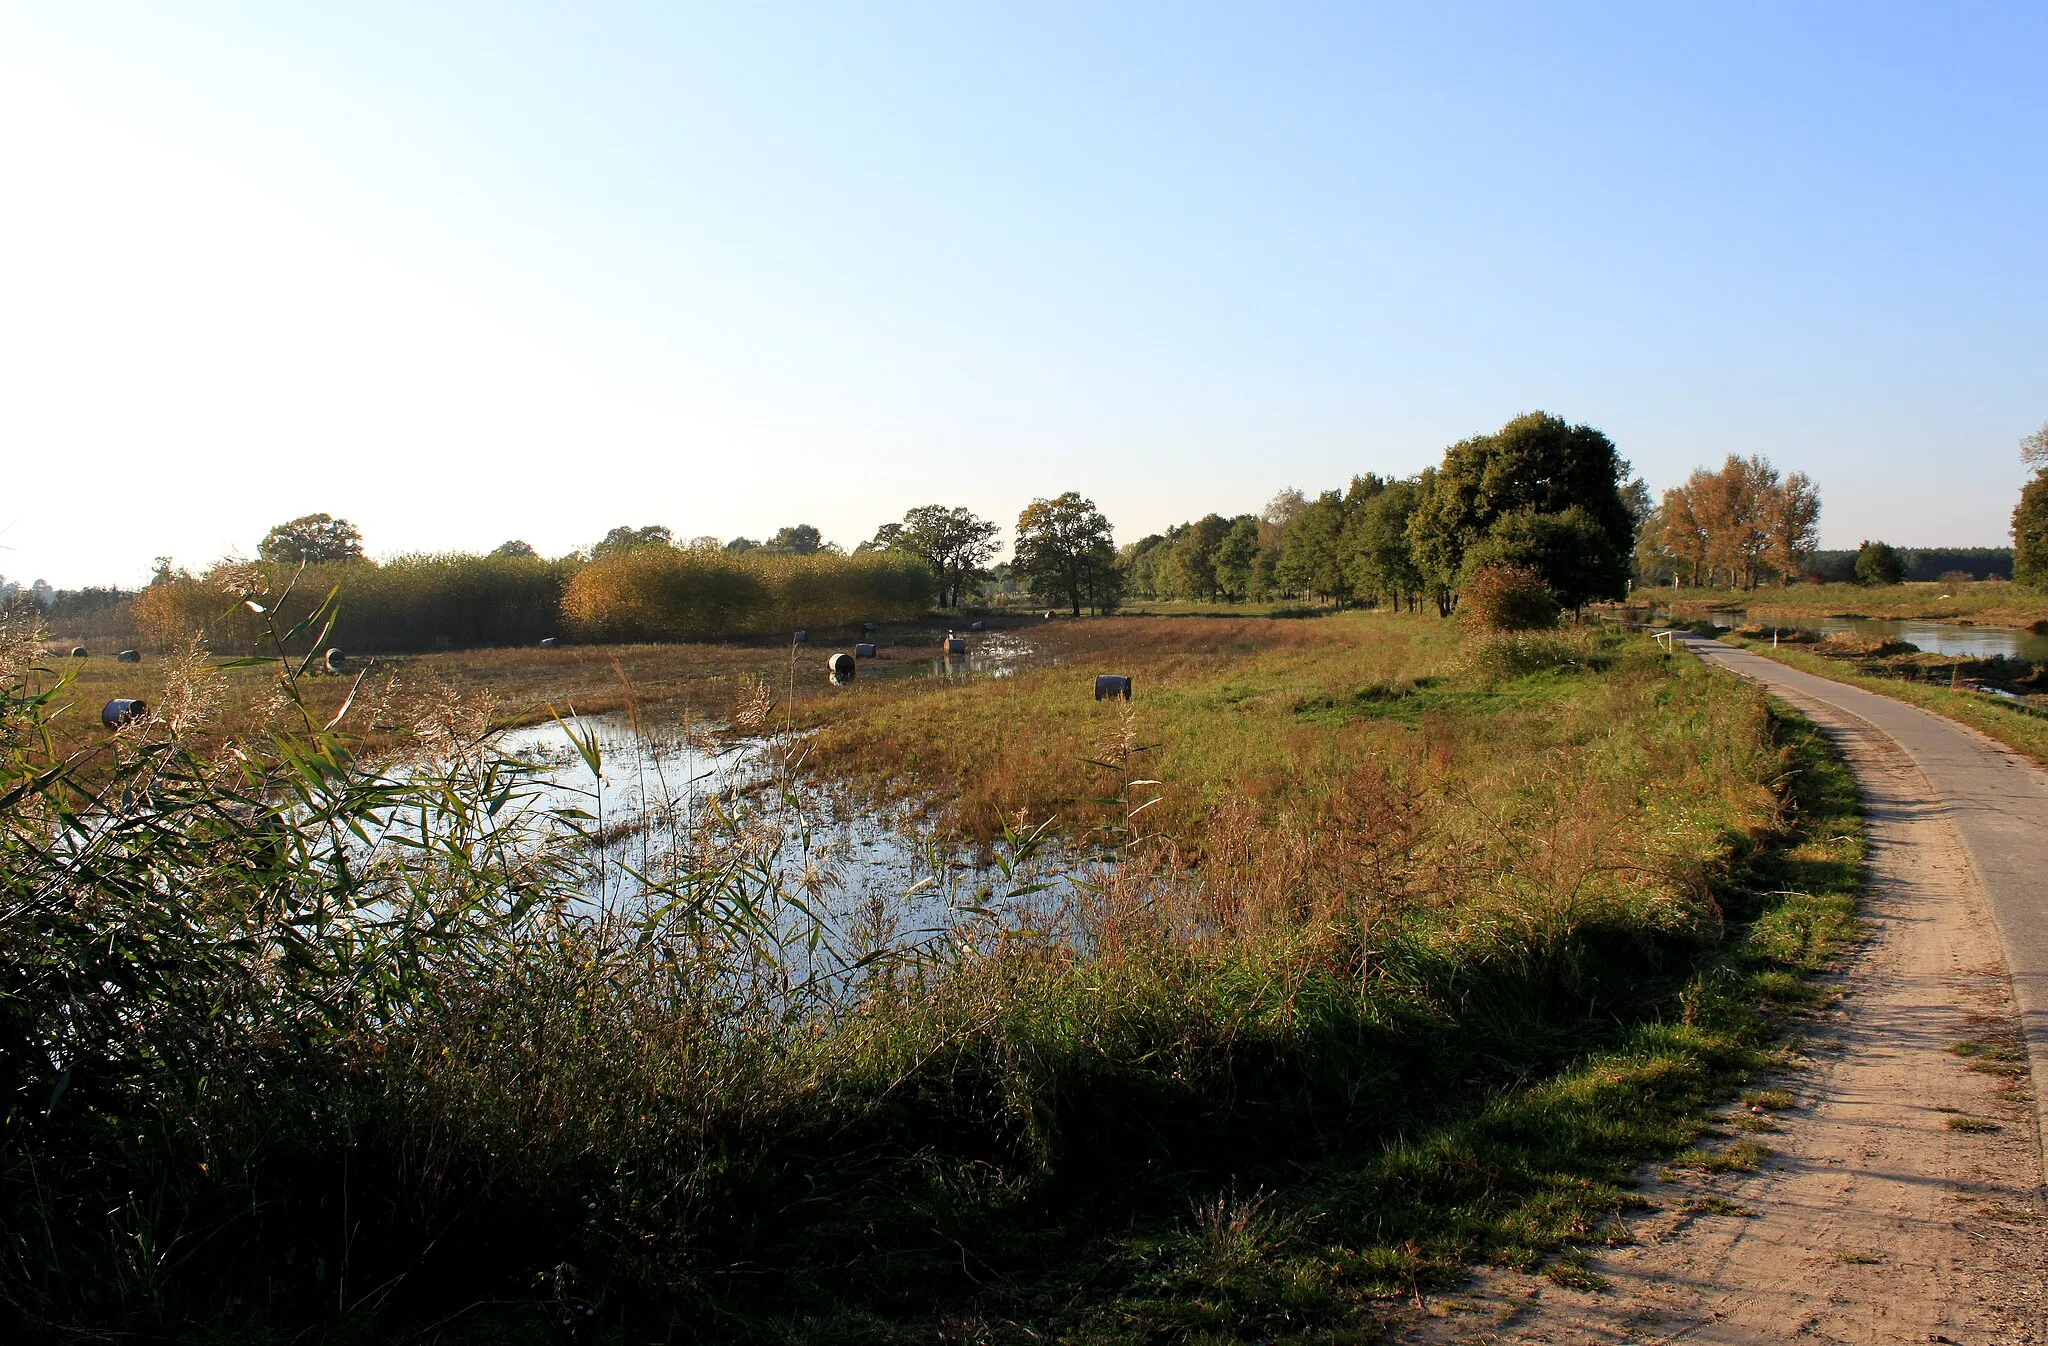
[[690, 593]]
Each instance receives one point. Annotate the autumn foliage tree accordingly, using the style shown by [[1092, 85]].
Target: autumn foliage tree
[[1742, 524]]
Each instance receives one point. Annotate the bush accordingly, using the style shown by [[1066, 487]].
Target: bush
[[1510, 654], [1879, 563], [1508, 598], [670, 593]]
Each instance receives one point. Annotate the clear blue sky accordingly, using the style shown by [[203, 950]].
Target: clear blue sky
[[464, 272]]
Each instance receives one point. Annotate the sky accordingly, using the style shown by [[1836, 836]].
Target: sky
[[462, 272]]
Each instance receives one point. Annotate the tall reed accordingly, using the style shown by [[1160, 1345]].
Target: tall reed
[[691, 593]]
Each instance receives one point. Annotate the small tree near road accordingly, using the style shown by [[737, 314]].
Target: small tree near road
[[1065, 547], [1879, 563]]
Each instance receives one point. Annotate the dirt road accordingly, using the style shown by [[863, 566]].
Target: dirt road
[[1902, 1199]]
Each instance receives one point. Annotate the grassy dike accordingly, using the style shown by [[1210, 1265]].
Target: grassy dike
[[1425, 944], [1363, 1126], [1525, 1175]]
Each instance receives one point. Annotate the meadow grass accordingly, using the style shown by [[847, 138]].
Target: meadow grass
[[1425, 945]]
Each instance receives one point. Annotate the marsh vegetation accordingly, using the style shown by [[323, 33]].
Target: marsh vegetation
[[1411, 942]]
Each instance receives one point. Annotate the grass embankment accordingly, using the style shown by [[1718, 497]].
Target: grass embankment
[[1920, 680], [1994, 602], [1434, 943]]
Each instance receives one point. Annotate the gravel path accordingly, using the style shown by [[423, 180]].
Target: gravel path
[[1902, 1200]]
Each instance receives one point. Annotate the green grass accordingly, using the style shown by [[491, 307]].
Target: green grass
[[2008, 1059]]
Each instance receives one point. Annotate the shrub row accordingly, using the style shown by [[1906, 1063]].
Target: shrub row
[[670, 593], [423, 602]]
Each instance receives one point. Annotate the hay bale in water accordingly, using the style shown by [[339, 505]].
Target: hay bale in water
[[840, 667], [122, 710], [549, 642], [128, 657], [974, 626], [78, 651], [865, 650], [337, 660], [1110, 686], [800, 638], [867, 628]]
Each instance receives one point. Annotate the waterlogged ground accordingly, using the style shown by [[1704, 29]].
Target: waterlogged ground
[[666, 795]]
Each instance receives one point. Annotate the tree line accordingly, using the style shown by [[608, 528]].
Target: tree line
[[1540, 495]]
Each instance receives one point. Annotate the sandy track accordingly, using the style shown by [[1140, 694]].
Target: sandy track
[[1903, 1200]]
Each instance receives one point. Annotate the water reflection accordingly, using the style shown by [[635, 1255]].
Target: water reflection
[[678, 798], [996, 654]]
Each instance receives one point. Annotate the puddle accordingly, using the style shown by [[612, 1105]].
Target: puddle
[[996, 654]]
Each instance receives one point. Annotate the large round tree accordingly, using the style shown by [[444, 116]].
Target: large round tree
[[1538, 492], [312, 538]]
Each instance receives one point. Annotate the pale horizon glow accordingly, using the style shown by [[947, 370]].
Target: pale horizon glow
[[463, 275]]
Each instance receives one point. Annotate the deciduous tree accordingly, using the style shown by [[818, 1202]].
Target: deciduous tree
[[1237, 555], [1879, 563], [797, 539], [1378, 559], [312, 538], [1537, 465], [954, 541], [2030, 534], [1194, 556], [1065, 547]]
